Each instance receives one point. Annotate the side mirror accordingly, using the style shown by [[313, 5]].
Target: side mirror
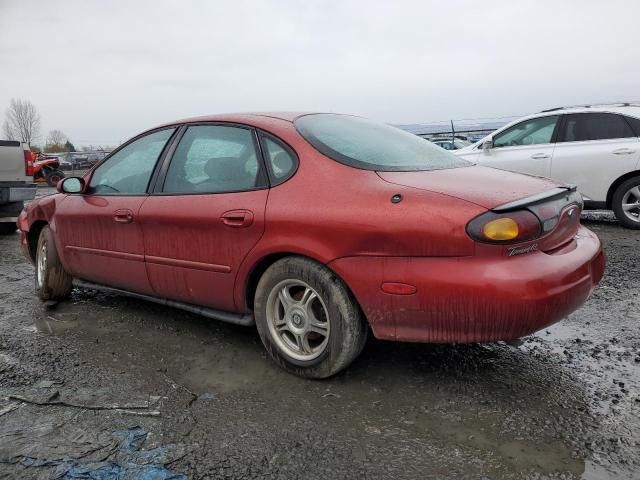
[[487, 144], [71, 185]]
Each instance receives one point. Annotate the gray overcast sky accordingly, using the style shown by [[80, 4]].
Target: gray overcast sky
[[103, 70]]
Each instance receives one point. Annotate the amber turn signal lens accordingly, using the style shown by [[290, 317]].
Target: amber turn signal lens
[[501, 229], [511, 227]]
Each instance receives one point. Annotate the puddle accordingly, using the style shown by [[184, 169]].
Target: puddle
[[229, 369], [199, 353], [51, 325]]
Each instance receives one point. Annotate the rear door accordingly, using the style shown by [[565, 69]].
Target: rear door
[[99, 231], [593, 150], [526, 147], [206, 214]]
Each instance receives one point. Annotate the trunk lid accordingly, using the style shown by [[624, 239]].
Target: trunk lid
[[487, 187], [557, 207]]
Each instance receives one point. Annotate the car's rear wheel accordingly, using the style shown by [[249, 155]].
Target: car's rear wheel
[[307, 319], [53, 177], [52, 281], [626, 203]]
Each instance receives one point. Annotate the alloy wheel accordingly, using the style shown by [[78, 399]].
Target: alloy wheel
[[41, 269], [298, 320], [631, 204]]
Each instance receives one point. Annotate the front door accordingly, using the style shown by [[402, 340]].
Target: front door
[[594, 150], [100, 236], [207, 214], [526, 147]]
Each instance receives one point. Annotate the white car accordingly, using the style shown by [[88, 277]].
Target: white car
[[594, 147], [448, 144]]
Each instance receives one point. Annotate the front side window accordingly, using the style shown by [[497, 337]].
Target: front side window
[[580, 127], [127, 172], [535, 131], [369, 145], [214, 159]]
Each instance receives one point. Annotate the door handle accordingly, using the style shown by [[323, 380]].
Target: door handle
[[237, 218], [623, 151], [123, 216], [538, 156]]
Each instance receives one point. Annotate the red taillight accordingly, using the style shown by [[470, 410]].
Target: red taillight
[[510, 227], [28, 163]]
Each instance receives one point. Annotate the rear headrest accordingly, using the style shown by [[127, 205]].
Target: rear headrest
[[282, 161]]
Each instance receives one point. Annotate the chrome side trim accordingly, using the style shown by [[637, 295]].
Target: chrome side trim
[[106, 253], [176, 262]]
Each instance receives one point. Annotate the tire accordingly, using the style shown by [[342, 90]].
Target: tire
[[317, 301], [7, 228], [627, 193], [53, 177], [52, 281]]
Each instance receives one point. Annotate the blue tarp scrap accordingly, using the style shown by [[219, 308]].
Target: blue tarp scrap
[[113, 471], [127, 461]]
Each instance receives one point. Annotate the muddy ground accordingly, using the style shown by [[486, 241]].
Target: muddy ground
[[135, 388]]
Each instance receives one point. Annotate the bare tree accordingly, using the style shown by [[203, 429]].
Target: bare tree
[[56, 137], [22, 121]]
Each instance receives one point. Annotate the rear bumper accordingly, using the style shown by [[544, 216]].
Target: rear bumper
[[12, 197], [477, 298], [17, 193]]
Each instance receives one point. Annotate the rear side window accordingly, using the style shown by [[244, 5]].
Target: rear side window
[[281, 160], [635, 124], [580, 127], [368, 145], [215, 159], [535, 131], [127, 172]]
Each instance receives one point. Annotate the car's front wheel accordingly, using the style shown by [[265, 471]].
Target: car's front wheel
[[626, 203], [307, 319], [52, 281]]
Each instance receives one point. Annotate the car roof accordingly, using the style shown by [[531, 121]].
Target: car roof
[[231, 117], [623, 109]]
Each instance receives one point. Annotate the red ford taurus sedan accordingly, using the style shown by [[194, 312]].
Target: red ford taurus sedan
[[315, 228]]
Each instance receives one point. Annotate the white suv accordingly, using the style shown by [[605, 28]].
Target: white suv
[[595, 147]]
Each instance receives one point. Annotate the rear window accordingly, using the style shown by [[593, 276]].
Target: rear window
[[368, 145]]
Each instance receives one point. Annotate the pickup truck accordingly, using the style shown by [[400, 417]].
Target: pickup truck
[[16, 182]]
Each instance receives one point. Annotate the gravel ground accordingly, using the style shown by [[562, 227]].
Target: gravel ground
[[565, 404]]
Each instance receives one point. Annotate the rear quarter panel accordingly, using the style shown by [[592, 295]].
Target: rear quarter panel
[[328, 210]]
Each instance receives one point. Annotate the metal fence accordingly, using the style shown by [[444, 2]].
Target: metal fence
[[71, 170], [471, 129]]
